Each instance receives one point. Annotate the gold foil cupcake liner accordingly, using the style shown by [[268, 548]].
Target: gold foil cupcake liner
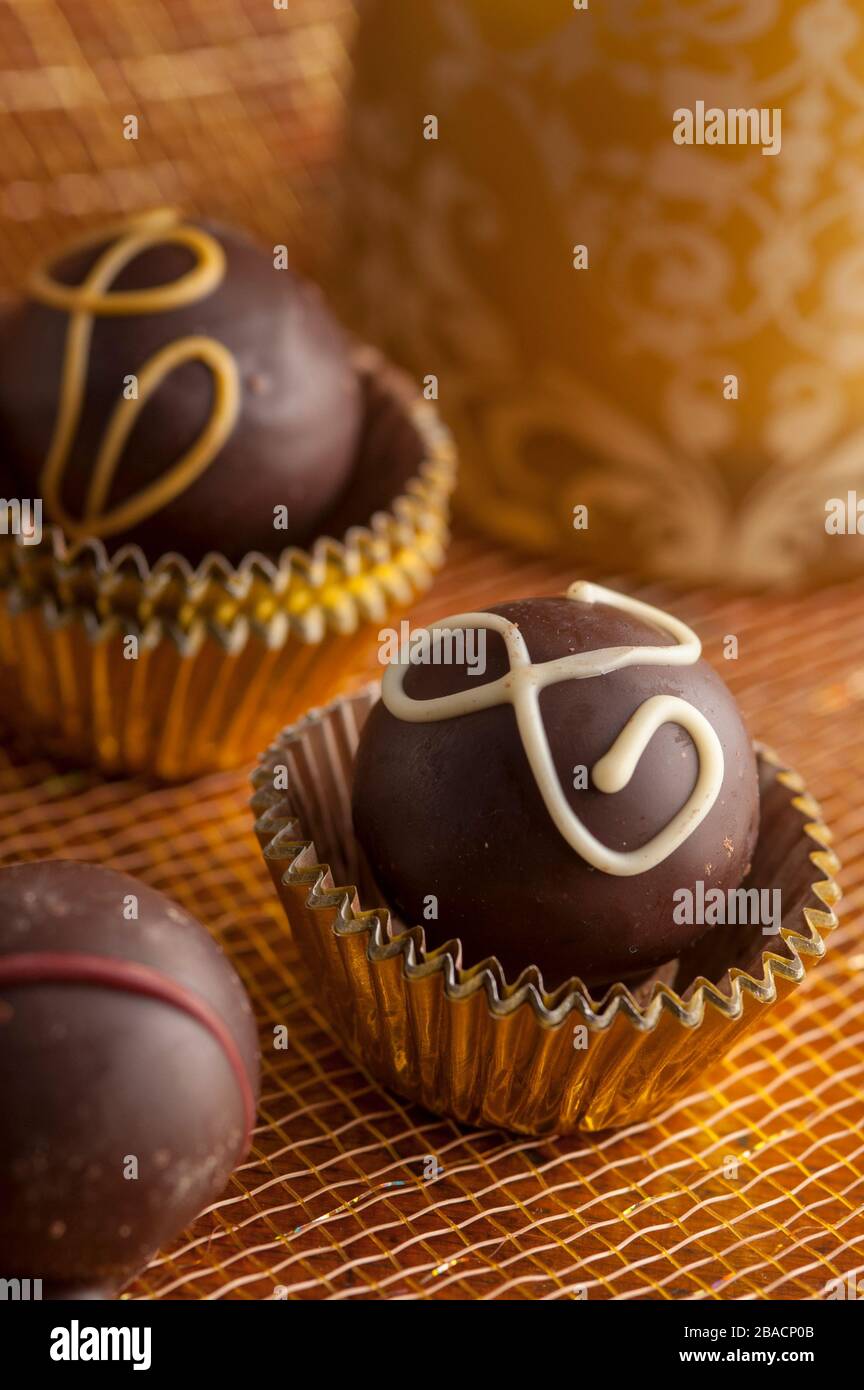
[[471, 1045], [223, 654]]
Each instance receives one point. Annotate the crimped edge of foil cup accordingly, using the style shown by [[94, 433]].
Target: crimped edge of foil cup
[[330, 588], [283, 842]]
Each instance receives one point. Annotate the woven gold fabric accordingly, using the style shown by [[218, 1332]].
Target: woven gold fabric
[[752, 1186], [239, 107]]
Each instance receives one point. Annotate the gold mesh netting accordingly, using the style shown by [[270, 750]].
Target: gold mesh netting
[[239, 108], [753, 1186]]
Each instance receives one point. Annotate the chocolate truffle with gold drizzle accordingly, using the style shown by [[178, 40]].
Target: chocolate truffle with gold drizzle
[[167, 385], [546, 808]]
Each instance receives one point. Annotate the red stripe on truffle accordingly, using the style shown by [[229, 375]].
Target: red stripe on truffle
[[61, 967]]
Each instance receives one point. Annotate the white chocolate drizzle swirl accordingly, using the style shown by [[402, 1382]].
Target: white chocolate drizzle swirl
[[521, 688]]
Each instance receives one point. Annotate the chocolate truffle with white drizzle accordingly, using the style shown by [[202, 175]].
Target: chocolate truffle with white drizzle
[[546, 811]]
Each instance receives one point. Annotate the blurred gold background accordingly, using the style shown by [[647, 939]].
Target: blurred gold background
[[604, 386], [600, 387], [240, 109]]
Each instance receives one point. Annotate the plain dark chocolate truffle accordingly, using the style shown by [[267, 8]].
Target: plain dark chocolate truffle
[[128, 1074], [9, 488], [461, 842], [295, 431]]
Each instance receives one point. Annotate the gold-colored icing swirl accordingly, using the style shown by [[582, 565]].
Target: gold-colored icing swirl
[[93, 299]]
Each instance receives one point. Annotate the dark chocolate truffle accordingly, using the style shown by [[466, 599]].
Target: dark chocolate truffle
[[569, 865], [204, 388], [128, 1074], [9, 488]]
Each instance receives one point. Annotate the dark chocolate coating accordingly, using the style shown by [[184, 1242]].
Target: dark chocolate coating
[[90, 1075], [8, 477], [390, 450], [295, 440], [451, 809], [9, 489]]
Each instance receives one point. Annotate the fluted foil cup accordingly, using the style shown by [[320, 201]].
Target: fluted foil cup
[[466, 1042], [222, 654]]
